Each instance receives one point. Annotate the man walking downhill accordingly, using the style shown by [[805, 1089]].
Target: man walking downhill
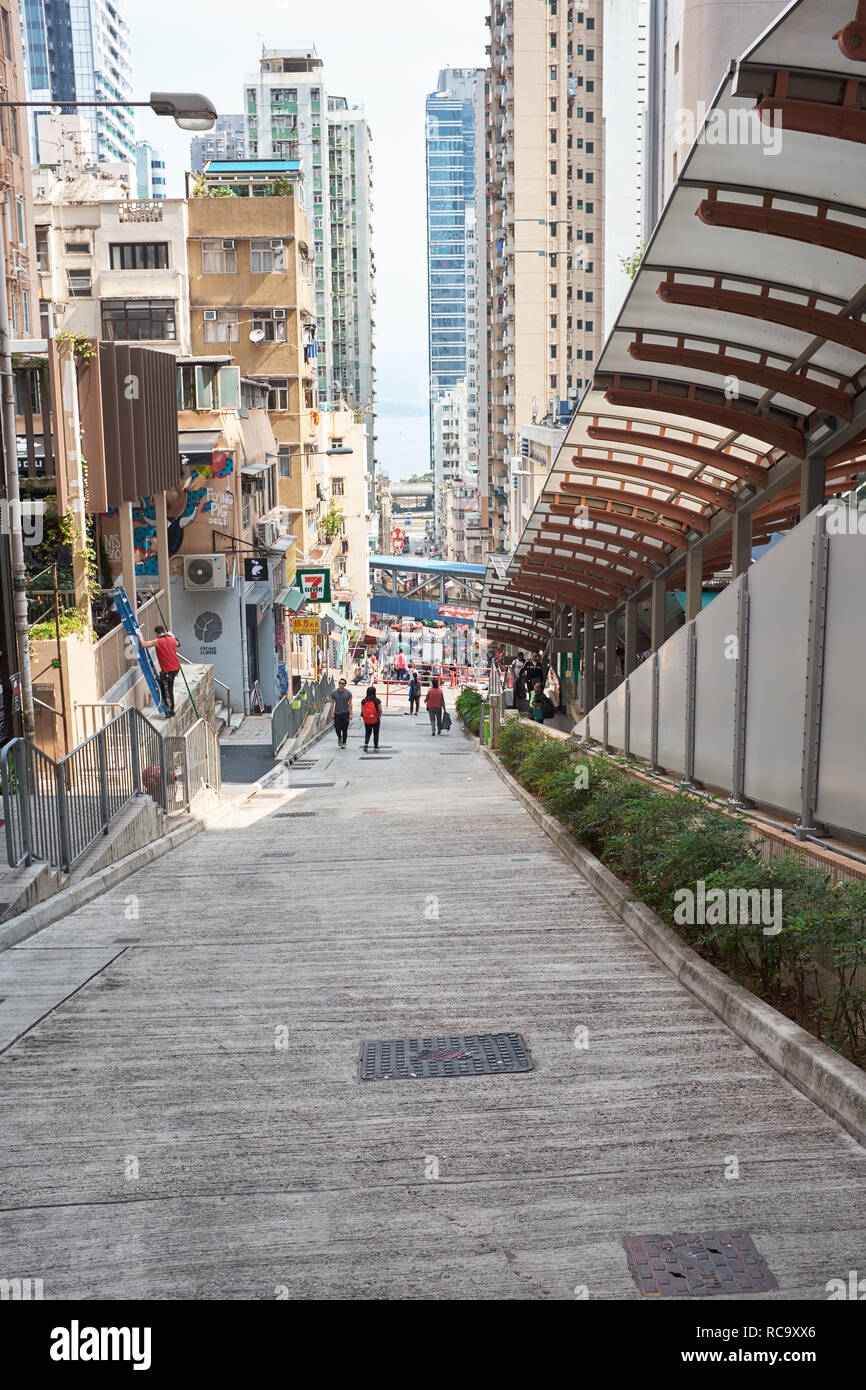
[[169, 664], [435, 703], [341, 712]]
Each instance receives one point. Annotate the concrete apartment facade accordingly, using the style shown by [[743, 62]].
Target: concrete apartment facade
[[545, 243], [111, 267], [250, 274], [225, 141]]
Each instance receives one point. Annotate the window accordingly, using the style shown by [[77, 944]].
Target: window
[[338, 487], [589, 296], [675, 166], [590, 23], [274, 328], [553, 383], [78, 248], [590, 207], [553, 41], [43, 261], [676, 57], [590, 236], [20, 219], [46, 328], [590, 145], [590, 177], [590, 86], [553, 137], [590, 55], [553, 73], [553, 200], [25, 304], [138, 320], [553, 166], [78, 284], [138, 255], [13, 129], [553, 320], [223, 328], [553, 103], [278, 393], [218, 256], [266, 257], [284, 456], [7, 37], [553, 260], [553, 291]]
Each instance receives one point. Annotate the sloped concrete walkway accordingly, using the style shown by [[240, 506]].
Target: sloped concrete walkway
[[180, 1110]]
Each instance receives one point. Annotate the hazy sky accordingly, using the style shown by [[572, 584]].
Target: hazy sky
[[385, 54]]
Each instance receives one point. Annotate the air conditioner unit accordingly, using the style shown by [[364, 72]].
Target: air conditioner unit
[[228, 244], [279, 313], [210, 314], [204, 572], [276, 243], [267, 532]]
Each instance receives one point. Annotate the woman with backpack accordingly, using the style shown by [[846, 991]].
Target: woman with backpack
[[435, 703], [371, 713]]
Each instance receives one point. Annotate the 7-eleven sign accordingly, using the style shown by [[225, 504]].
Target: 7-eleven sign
[[314, 584]]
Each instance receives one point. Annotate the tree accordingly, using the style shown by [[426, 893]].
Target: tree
[[282, 187], [631, 263], [333, 521]]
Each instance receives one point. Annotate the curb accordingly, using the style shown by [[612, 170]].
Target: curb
[[831, 1081]]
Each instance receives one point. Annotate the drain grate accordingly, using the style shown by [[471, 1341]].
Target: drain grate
[[481, 1054], [697, 1265], [310, 786], [293, 815]]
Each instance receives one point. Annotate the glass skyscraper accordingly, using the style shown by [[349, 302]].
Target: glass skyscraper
[[451, 213]]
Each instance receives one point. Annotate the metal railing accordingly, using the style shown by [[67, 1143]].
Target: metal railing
[[290, 712], [111, 652], [55, 810]]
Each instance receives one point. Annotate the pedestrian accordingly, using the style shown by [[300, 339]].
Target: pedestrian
[[341, 711], [435, 702], [541, 705], [414, 690], [371, 713], [169, 664], [516, 668], [400, 666]]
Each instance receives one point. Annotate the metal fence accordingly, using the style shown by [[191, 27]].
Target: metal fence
[[760, 695], [54, 811], [290, 712]]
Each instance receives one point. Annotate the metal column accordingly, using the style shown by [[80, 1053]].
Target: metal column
[[741, 543], [694, 579], [813, 479], [658, 601], [610, 680], [814, 683], [630, 636]]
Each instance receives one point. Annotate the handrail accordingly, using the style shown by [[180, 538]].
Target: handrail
[[55, 810], [228, 700], [290, 711]]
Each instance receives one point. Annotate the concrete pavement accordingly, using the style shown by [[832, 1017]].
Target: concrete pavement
[[180, 1112]]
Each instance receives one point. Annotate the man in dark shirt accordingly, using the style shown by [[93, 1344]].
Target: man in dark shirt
[[341, 712]]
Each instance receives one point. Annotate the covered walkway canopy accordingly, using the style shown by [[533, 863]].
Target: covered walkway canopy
[[728, 400]]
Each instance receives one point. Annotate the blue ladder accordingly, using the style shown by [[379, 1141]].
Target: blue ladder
[[145, 660]]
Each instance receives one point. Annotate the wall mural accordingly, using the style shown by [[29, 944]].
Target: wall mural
[[204, 496]]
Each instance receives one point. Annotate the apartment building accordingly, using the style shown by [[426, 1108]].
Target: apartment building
[[19, 274], [455, 182], [450, 449], [353, 292], [346, 488], [111, 267], [79, 50], [692, 43], [226, 140], [149, 171], [462, 522], [539, 446], [251, 296], [289, 114], [545, 242]]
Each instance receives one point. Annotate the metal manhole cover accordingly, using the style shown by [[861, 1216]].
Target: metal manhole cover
[[697, 1265], [482, 1054], [293, 815]]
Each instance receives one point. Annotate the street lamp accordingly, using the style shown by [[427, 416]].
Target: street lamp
[[191, 111]]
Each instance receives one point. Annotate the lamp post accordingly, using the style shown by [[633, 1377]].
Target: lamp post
[[191, 111]]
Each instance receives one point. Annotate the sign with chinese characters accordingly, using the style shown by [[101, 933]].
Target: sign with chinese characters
[[314, 584], [450, 610], [305, 626]]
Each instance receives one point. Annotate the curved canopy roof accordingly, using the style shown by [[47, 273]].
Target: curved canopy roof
[[741, 345]]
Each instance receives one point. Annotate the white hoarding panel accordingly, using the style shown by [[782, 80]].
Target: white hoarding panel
[[672, 702], [715, 681]]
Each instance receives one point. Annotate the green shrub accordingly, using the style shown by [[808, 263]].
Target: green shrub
[[468, 706], [663, 842]]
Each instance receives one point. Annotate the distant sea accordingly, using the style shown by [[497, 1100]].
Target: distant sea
[[403, 445]]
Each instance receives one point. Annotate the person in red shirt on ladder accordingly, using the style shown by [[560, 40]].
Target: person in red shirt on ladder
[[169, 664]]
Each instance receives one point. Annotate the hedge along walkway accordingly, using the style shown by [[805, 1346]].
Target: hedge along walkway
[[421, 898]]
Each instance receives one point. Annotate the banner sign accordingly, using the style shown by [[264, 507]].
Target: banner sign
[[450, 610], [303, 627], [314, 584]]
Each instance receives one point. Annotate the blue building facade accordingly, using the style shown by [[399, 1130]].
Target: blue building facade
[[451, 194]]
